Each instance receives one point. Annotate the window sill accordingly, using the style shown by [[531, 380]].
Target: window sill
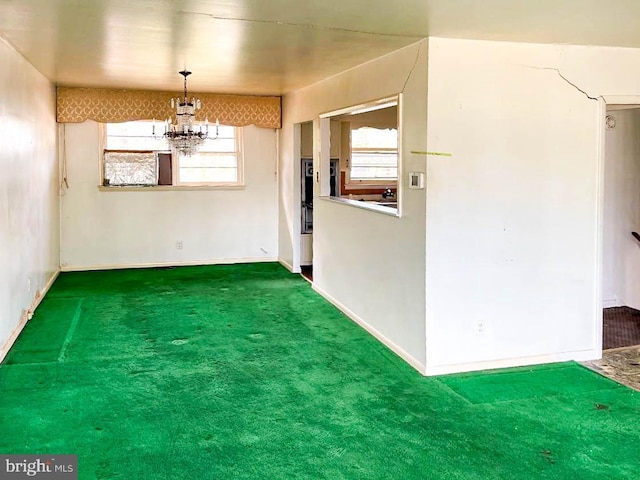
[[369, 185], [371, 206], [168, 188]]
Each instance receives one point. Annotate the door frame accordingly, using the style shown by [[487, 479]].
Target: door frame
[[603, 102]]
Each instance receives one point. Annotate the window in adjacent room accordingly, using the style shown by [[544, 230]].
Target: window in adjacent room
[[366, 136], [374, 154], [136, 155]]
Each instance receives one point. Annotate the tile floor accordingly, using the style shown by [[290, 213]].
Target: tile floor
[[620, 364]]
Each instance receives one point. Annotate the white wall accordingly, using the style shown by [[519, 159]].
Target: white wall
[[29, 218], [513, 271], [306, 140], [514, 216], [621, 252], [371, 264], [103, 229], [289, 193]]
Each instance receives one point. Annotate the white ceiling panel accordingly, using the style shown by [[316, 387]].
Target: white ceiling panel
[[275, 46]]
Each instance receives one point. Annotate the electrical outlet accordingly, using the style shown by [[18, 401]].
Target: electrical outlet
[[481, 328], [179, 245]]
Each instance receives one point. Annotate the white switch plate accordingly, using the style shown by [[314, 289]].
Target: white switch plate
[[416, 180]]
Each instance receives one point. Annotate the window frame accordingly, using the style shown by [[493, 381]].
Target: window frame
[[239, 153], [175, 166]]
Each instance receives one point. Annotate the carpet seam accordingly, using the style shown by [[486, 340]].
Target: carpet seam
[[71, 331]]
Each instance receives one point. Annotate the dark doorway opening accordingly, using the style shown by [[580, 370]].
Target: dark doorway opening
[[621, 327], [307, 272]]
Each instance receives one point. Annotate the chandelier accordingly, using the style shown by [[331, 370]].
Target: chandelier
[[185, 135]]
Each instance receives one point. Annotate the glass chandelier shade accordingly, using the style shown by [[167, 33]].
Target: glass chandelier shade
[[183, 133]]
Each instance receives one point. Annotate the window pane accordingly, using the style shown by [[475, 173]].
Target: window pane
[[224, 131], [374, 166], [376, 138], [219, 145], [136, 135], [136, 128], [209, 168], [372, 173], [137, 143], [209, 160], [374, 154], [375, 159], [208, 175], [130, 168]]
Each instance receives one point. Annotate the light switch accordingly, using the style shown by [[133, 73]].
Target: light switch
[[416, 180]]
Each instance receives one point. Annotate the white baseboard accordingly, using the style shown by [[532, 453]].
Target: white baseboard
[[26, 316], [286, 265], [579, 356], [120, 266], [379, 336]]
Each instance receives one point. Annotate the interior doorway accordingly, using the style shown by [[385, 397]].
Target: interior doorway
[[305, 160], [620, 248], [621, 224]]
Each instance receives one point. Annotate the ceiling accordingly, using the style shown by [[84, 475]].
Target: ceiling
[[275, 46]]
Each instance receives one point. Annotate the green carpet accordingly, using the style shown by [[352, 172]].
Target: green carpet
[[242, 371]]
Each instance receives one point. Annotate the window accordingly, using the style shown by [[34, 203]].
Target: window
[[374, 154], [216, 161], [136, 154]]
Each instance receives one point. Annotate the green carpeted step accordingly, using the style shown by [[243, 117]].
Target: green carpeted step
[[526, 383]]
